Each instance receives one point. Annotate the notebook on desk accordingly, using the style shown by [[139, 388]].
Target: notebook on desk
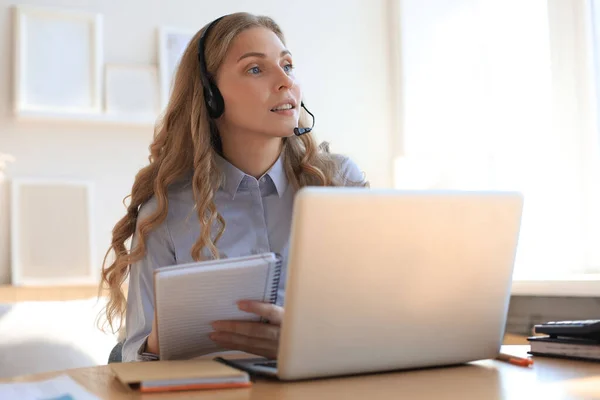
[[167, 376], [189, 297], [565, 347]]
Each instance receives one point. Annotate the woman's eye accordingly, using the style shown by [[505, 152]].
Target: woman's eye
[[254, 71], [288, 68]]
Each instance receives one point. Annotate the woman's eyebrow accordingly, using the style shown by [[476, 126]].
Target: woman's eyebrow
[[262, 55]]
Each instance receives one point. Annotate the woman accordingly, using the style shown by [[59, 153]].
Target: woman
[[221, 179]]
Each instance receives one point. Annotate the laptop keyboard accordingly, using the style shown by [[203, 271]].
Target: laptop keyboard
[[268, 364]]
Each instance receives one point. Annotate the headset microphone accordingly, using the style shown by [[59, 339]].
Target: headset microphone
[[302, 131]]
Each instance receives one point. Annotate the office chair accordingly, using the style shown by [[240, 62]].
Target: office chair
[[115, 354]]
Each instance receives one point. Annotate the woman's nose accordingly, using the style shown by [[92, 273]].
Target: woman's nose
[[285, 81]]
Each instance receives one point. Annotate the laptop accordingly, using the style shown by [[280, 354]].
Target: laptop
[[381, 280]]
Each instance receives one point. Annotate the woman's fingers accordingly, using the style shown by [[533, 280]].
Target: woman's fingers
[[271, 312], [232, 341], [257, 330]]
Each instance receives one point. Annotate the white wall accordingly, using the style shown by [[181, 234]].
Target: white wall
[[340, 49]]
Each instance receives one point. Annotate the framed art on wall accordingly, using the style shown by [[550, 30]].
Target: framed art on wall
[[131, 91], [58, 60], [171, 45], [52, 233]]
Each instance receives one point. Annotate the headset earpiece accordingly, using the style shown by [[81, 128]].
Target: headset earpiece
[[214, 101], [212, 95]]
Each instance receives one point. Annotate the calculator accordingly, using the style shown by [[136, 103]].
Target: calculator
[[585, 329]]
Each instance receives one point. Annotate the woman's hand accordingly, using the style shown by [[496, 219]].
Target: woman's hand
[[251, 337]]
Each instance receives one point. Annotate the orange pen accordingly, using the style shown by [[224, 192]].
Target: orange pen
[[520, 361]]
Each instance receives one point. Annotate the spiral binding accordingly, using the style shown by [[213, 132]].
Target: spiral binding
[[276, 278]]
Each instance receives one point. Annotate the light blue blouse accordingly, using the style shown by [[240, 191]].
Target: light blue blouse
[[257, 213]]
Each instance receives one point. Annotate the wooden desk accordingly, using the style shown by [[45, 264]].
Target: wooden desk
[[490, 379]]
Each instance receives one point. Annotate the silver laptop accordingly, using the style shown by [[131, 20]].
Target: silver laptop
[[382, 280]]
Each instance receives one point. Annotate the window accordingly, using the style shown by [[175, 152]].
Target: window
[[500, 95], [593, 158]]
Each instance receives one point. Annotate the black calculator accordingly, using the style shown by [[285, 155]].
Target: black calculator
[[585, 329]]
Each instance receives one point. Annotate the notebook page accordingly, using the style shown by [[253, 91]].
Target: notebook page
[[190, 299]]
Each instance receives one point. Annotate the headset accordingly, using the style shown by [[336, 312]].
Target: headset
[[212, 95]]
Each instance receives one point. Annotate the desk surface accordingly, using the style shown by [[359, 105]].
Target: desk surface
[[548, 379]]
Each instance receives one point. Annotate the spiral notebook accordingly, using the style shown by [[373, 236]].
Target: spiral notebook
[[189, 297]]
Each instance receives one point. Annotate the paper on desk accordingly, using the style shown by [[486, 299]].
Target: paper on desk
[[60, 388]]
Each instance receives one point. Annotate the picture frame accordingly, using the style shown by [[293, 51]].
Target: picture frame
[[131, 91], [68, 44], [52, 232], [171, 45]]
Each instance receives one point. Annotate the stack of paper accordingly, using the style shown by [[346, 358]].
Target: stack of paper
[[60, 388]]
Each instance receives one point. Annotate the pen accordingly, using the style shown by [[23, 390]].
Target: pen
[[520, 361]]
